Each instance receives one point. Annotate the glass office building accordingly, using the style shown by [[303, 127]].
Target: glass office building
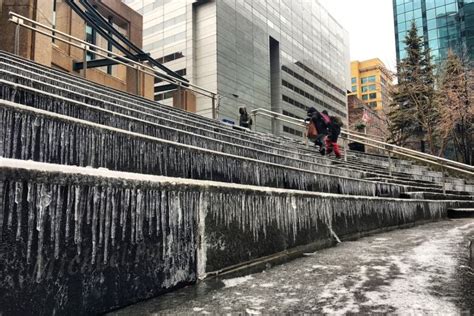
[[444, 25], [279, 55]]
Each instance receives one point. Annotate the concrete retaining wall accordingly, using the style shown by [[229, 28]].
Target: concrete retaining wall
[[82, 240]]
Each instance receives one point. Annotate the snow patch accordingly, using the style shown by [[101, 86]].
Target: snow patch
[[237, 281]]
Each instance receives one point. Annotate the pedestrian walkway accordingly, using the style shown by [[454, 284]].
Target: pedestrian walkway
[[422, 270]]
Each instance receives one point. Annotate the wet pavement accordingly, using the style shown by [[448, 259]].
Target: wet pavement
[[422, 270]]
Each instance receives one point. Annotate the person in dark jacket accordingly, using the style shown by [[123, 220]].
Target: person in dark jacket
[[334, 129], [321, 121], [245, 119]]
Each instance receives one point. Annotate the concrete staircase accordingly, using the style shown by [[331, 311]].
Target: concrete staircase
[[107, 199]]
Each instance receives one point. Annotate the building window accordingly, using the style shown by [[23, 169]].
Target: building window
[[291, 115], [292, 131], [170, 57], [372, 87], [363, 80], [164, 96], [353, 80], [312, 85], [91, 37], [365, 97], [372, 104], [354, 88], [365, 89], [373, 96], [311, 97], [371, 79], [181, 72]]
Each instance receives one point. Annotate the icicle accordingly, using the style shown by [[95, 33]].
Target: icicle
[[69, 201], [95, 210], [11, 199], [114, 216], [19, 208], [133, 214], [78, 210], [31, 219], [58, 224], [2, 207], [108, 215], [139, 216], [43, 203]]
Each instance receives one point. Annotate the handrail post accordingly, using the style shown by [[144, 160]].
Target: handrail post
[[84, 62], [214, 113], [254, 121], [17, 40], [179, 101], [390, 173], [305, 135], [138, 81], [443, 177], [346, 144]]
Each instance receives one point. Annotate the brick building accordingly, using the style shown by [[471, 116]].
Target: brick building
[[366, 120], [56, 54]]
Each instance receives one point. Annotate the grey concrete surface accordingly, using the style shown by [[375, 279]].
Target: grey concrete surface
[[424, 270]]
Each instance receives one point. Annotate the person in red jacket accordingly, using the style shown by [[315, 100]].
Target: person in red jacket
[[334, 129], [321, 121]]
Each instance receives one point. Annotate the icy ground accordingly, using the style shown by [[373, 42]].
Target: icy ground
[[419, 271]]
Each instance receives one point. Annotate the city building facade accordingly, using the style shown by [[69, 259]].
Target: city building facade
[[371, 83], [444, 25], [54, 53], [283, 56]]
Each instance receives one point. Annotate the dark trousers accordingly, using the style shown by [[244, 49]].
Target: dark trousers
[[319, 141]]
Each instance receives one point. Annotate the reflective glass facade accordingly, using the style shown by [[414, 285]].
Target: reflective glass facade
[[444, 24], [279, 55]]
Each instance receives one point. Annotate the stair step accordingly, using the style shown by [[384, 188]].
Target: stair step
[[461, 212], [422, 195]]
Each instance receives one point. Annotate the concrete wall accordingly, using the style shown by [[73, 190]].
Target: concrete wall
[[255, 225], [85, 241], [71, 245]]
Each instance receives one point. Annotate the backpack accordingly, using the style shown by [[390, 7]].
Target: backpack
[[326, 118], [311, 131]]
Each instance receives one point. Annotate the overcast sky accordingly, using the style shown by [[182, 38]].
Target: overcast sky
[[370, 27]]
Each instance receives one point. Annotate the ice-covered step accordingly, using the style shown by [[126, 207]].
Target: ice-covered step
[[50, 101], [117, 95], [461, 212], [380, 172], [435, 196], [106, 117], [131, 236], [406, 182], [378, 163], [74, 107], [414, 169], [39, 135], [411, 188], [404, 178], [27, 69], [379, 160]]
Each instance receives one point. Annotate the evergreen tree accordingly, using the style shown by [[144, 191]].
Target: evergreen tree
[[457, 109], [413, 110]]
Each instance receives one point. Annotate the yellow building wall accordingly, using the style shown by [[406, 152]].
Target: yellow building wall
[[361, 71]]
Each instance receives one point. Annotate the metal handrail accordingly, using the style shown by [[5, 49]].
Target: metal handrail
[[385, 147], [19, 20], [411, 151]]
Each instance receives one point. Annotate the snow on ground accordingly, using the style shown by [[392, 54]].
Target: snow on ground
[[418, 271]]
